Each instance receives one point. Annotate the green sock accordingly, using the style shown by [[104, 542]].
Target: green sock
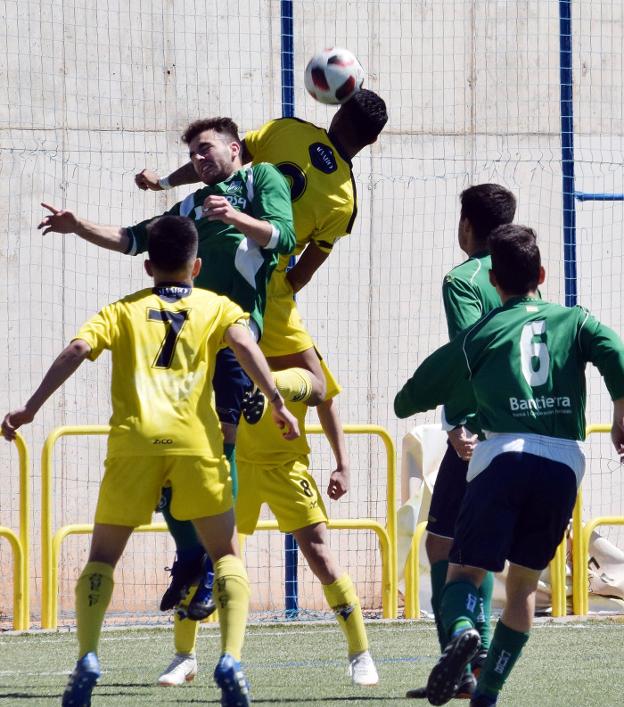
[[504, 651], [458, 607], [483, 624], [438, 580], [229, 451], [182, 531]]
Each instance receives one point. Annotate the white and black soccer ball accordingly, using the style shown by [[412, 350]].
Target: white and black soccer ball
[[333, 76]]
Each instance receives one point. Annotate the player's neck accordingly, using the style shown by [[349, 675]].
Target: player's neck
[[506, 296]]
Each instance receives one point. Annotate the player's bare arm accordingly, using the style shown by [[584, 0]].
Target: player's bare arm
[[148, 179], [308, 263], [248, 353], [332, 428], [218, 208], [65, 221], [63, 367]]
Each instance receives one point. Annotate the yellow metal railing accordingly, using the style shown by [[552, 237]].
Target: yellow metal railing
[[49, 568], [20, 543], [51, 543], [581, 535]]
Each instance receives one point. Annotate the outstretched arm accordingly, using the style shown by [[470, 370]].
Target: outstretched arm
[[148, 179], [186, 174], [64, 221], [62, 368], [332, 427], [248, 353]]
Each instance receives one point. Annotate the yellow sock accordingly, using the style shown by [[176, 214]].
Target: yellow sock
[[231, 595], [94, 589], [184, 630], [343, 599], [295, 384]]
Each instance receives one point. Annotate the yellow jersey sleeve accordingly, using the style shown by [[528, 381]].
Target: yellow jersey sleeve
[[231, 314], [337, 225], [253, 138], [99, 332]]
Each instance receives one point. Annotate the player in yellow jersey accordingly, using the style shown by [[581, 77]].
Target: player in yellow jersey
[[317, 164], [164, 432], [276, 472]]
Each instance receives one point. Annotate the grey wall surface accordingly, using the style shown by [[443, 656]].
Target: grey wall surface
[[91, 93]]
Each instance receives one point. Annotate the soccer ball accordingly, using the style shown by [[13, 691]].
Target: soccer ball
[[333, 76]]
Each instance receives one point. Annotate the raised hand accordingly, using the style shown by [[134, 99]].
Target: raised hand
[[59, 221], [147, 179]]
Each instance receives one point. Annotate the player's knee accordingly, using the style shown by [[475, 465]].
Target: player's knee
[[437, 548]]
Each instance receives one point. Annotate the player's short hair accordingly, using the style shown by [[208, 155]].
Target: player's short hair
[[171, 242], [366, 113], [516, 259], [224, 126], [487, 206]]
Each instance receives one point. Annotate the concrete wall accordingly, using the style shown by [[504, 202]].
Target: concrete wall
[[92, 93]]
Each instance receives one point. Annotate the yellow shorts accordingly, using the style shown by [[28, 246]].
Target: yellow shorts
[[290, 492], [284, 330], [131, 488]]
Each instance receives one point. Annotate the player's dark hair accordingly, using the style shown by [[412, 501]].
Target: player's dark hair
[[516, 258], [171, 242], [224, 126], [487, 206], [366, 114]]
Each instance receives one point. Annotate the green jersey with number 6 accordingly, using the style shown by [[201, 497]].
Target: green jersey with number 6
[[526, 365], [232, 264]]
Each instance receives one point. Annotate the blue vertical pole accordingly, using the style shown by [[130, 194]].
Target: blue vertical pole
[[291, 554], [567, 150]]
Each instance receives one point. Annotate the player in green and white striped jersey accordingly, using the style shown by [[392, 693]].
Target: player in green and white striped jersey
[[526, 365], [468, 295]]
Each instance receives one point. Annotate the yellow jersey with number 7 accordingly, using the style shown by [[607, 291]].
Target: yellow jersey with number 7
[[163, 341]]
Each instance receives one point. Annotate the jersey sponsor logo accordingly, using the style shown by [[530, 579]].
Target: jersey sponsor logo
[[163, 441], [543, 405], [322, 157], [234, 188]]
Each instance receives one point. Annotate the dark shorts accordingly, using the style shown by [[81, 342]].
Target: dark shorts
[[518, 510], [448, 492], [230, 383]]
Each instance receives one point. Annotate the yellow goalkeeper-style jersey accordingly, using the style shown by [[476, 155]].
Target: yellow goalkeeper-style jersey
[[163, 342], [321, 182], [263, 444]]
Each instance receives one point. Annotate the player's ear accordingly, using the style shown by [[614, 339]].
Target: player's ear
[[235, 148], [148, 268], [196, 267], [542, 275]]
